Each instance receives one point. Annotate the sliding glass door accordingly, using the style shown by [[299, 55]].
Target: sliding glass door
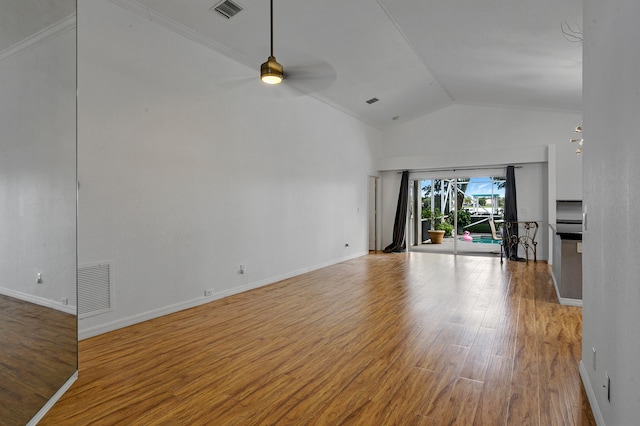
[[480, 215], [454, 214]]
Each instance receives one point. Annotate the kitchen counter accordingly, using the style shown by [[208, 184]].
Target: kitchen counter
[[568, 231]]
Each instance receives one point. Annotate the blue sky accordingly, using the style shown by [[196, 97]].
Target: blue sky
[[479, 185], [482, 186]]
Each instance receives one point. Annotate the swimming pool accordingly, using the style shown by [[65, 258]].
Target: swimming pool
[[482, 239]]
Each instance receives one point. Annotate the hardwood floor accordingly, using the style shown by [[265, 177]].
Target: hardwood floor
[[38, 354], [386, 339]]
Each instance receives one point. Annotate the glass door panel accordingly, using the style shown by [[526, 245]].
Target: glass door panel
[[433, 210], [483, 200]]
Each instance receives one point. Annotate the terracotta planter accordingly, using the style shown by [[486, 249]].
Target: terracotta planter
[[436, 236]]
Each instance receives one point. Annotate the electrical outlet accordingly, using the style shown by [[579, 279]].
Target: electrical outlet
[[39, 278], [208, 292], [242, 269]]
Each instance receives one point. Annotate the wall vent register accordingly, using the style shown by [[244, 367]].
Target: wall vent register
[[94, 289], [227, 8]]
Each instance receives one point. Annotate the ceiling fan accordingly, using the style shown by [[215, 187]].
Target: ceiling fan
[[271, 72], [306, 73]]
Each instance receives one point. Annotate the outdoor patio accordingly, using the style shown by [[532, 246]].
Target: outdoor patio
[[463, 247]]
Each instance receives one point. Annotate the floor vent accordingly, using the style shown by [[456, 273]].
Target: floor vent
[[227, 8], [94, 289]]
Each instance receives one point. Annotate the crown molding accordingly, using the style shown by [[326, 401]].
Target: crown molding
[[49, 33]]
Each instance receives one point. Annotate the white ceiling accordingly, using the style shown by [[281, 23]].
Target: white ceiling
[[415, 56]]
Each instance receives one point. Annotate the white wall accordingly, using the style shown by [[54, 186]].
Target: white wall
[[568, 169], [459, 128], [461, 131], [37, 170], [189, 167], [611, 270], [468, 136]]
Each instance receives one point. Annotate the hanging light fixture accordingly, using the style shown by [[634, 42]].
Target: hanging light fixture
[[271, 72], [580, 141]]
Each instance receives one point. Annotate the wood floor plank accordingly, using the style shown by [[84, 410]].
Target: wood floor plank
[[524, 406], [494, 401], [477, 362], [463, 403], [386, 339], [443, 380]]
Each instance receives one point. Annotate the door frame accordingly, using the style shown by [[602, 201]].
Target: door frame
[[373, 207]]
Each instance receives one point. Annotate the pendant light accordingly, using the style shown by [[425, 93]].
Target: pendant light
[[271, 72]]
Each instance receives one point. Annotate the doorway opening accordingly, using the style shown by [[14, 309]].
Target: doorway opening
[[461, 208]]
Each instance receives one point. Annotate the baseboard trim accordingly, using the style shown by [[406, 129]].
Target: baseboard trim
[[595, 408], [45, 409], [181, 306], [570, 302], [37, 300], [564, 300], [555, 284]]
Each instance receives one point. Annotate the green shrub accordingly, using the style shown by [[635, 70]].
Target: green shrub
[[464, 218], [446, 227]]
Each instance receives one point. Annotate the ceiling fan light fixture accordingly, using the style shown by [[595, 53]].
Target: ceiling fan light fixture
[[271, 72]]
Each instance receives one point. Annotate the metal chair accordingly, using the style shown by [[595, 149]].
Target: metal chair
[[494, 235]]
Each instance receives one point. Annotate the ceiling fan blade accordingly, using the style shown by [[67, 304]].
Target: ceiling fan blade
[[306, 72], [236, 82], [310, 76]]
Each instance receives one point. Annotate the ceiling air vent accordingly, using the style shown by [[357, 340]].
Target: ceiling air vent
[[372, 101], [227, 8]]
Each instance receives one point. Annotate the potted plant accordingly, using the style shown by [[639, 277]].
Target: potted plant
[[438, 226], [446, 227]]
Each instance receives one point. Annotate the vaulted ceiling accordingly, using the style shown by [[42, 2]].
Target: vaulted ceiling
[[414, 56]]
